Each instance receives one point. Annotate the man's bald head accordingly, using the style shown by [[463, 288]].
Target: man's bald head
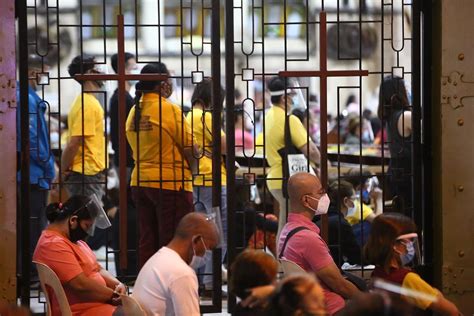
[[197, 224], [300, 184]]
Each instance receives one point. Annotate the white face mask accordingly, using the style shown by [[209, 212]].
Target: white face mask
[[323, 204], [199, 261]]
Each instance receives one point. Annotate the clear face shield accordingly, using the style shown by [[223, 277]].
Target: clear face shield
[[293, 95], [96, 212], [412, 246]]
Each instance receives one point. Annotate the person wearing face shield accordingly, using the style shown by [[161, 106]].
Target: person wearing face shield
[[393, 247], [167, 284], [89, 288], [41, 158], [83, 161], [274, 134], [342, 241], [300, 239]]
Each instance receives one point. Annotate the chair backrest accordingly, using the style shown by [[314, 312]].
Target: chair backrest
[[49, 279], [290, 268], [131, 307]]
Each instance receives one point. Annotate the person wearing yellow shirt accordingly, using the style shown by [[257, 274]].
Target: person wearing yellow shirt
[[274, 137], [200, 119], [392, 247], [163, 151], [83, 161]]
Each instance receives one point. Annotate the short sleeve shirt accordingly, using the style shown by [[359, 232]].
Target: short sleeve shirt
[[92, 154], [166, 285], [68, 260], [355, 218], [158, 151], [308, 250], [201, 124], [413, 281], [274, 135]]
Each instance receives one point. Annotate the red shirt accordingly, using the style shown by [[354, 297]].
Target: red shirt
[[68, 260], [307, 249]]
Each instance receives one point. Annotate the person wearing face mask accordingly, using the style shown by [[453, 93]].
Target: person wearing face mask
[[167, 284], [164, 151], [342, 241], [83, 161], [300, 240], [274, 136], [41, 158], [89, 288], [392, 245]]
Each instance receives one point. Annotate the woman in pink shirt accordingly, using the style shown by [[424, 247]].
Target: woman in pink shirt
[[89, 288]]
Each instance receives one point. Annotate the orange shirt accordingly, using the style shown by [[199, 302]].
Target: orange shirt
[[68, 260]]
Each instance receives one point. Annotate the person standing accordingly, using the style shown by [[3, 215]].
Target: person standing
[[275, 140], [200, 119], [41, 158], [394, 111], [163, 149], [83, 161]]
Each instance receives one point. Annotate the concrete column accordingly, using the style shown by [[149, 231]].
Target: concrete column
[[453, 143], [8, 104]]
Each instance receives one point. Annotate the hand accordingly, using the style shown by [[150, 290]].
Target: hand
[[376, 193], [258, 296], [116, 299], [121, 289]]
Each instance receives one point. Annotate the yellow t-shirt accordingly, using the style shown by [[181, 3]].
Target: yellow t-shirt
[[355, 218], [92, 128], [413, 281], [275, 140], [201, 124], [158, 154]]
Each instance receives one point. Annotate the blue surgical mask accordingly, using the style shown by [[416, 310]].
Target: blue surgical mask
[[408, 257]]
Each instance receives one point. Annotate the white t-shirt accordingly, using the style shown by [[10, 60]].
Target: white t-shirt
[[166, 285]]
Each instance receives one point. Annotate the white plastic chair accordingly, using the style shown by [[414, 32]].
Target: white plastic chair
[[290, 268], [131, 307], [49, 278]]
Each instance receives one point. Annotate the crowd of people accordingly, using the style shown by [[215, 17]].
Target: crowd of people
[[169, 171]]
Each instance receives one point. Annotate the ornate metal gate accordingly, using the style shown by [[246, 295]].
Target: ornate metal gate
[[325, 52]]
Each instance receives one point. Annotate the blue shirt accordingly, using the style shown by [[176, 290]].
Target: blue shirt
[[41, 159]]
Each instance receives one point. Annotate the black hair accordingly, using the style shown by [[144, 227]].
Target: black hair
[[351, 99], [392, 96], [340, 189], [36, 61], [114, 60], [203, 94], [57, 212], [238, 112], [81, 65], [147, 86], [276, 84]]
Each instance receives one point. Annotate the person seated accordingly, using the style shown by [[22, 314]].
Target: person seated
[[167, 284], [298, 295], [342, 241], [89, 288], [301, 242], [392, 245], [354, 135], [368, 194], [377, 303], [252, 268]]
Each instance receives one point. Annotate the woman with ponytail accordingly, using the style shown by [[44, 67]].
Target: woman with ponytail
[[395, 111], [89, 288], [163, 150]]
